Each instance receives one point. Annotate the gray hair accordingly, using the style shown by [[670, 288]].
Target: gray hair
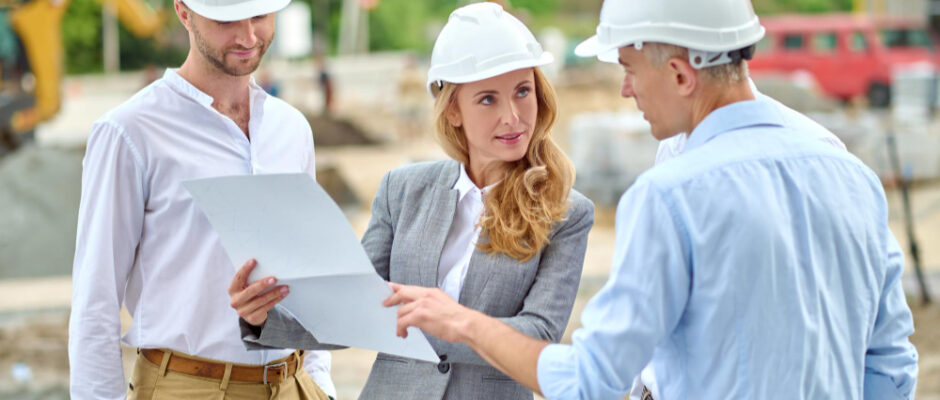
[[724, 74]]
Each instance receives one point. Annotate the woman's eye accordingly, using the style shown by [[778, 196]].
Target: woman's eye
[[523, 92], [487, 100]]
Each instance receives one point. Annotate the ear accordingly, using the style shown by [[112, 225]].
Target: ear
[[684, 76], [453, 116], [183, 13]]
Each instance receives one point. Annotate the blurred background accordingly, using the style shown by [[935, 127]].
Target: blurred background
[[866, 69]]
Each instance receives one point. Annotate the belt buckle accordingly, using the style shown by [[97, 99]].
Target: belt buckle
[[266, 367]]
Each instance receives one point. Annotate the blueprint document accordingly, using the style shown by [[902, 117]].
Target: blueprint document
[[299, 235]]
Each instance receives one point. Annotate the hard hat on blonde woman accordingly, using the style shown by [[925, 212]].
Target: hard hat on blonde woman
[[481, 41], [714, 31], [234, 10]]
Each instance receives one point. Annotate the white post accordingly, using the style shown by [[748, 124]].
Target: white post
[[110, 37], [349, 27]]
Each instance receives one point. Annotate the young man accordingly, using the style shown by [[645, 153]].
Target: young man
[[143, 243], [757, 264]]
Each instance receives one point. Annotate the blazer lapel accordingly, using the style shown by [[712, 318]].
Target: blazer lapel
[[440, 217], [478, 274]]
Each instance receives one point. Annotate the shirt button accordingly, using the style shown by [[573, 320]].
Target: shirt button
[[444, 366]]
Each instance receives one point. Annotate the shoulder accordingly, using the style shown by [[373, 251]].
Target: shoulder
[[579, 216], [427, 172], [145, 101], [579, 206]]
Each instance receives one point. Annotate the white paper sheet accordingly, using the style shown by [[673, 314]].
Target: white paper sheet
[[298, 234]]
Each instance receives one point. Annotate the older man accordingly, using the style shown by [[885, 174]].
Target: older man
[[757, 264], [142, 242]]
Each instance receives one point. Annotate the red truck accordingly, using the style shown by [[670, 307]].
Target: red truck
[[849, 55]]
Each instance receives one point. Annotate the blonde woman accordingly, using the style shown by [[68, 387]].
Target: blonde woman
[[497, 228]]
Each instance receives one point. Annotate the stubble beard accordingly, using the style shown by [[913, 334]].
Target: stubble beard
[[217, 57]]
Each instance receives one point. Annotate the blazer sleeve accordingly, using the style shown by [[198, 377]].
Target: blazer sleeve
[[280, 331], [377, 240], [547, 307]]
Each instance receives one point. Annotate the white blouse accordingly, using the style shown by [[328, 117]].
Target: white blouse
[[462, 237]]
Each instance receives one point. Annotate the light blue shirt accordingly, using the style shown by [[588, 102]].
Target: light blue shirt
[[756, 265]]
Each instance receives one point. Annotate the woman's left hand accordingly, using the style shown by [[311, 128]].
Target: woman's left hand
[[431, 310]]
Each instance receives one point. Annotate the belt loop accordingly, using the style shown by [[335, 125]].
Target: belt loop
[[226, 376], [165, 362], [274, 388]]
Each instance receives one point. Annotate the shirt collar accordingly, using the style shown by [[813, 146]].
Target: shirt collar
[[732, 117], [187, 89], [465, 185]]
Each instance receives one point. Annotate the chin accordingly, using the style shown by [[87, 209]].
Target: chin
[[663, 135]]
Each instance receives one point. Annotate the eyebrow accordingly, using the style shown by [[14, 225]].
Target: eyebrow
[[525, 82], [622, 62]]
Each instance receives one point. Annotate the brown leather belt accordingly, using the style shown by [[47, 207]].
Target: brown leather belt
[[275, 372]]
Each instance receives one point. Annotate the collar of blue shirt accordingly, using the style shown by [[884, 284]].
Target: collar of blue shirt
[[734, 116]]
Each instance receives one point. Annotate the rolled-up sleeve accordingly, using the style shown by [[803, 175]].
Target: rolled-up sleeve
[[109, 227], [641, 302]]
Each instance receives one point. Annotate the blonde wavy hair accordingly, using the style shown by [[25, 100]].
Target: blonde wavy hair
[[519, 213]]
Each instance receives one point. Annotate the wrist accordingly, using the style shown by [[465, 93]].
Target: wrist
[[472, 326]]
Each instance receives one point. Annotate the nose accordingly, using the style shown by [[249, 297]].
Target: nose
[[246, 36], [510, 113], [627, 89]]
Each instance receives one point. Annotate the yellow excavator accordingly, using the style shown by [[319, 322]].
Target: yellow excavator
[[31, 59]]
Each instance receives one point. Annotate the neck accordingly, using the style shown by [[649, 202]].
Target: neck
[[226, 90], [486, 174], [717, 96]]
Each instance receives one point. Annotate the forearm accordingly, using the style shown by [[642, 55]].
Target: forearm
[[505, 348]]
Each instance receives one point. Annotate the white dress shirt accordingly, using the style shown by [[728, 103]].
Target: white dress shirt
[[143, 243], [462, 237]]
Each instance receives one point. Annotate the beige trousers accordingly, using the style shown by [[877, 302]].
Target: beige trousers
[[150, 381]]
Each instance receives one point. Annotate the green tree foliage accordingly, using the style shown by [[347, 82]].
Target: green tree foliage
[[81, 34], [801, 6], [82, 38], [400, 24]]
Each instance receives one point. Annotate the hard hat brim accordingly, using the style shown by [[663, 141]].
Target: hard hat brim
[[237, 12], [545, 59], [591, 47]]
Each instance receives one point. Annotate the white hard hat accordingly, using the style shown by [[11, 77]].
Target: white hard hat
[[708, 28], [480, 41], [234, 10]]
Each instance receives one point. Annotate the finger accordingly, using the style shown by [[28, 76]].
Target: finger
[[260, 315], [404, 294], [276, 295], [240, 279], [246, 295], [413, 317], [392, 300], [408, 307]]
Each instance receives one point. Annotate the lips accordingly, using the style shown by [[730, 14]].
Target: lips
[[244, 53], [511, 138]]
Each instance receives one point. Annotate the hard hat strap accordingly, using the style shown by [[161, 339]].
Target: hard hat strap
[[704, 59]]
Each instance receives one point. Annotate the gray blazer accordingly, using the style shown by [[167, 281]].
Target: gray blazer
[[411, 216]]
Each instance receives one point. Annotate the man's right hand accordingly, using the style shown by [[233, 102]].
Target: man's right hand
[[255, 300]]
